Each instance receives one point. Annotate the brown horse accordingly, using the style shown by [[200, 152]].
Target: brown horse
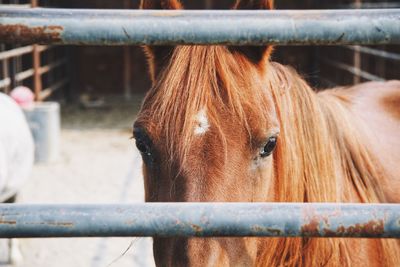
[[226, 124]]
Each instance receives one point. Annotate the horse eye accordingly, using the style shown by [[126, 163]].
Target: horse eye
[[269, 147], [143, 147], [143, 142]]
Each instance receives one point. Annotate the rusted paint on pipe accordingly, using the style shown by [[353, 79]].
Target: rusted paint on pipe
[[201, 220], [152, 27], [24, 34]]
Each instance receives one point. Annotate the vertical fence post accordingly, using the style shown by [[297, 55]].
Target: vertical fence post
[[381, 67], [14, 62], [357, 54], [127, 64], [127, 72], [5, 71], [37, 79]]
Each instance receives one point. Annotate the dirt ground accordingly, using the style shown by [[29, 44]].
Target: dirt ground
[[98, 163]]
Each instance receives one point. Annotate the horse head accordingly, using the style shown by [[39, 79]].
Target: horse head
[[207, 131]]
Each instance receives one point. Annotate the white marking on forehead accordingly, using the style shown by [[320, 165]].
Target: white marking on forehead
[[201, 123]]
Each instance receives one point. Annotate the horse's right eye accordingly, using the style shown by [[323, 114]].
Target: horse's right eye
[[143, 147], [143, 142]]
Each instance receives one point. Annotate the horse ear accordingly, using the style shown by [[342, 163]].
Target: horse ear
[[255, 54], [158, 56]]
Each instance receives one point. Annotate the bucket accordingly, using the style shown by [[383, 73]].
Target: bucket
[[44, 120]]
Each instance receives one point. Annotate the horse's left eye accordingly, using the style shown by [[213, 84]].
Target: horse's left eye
[[269, 147]]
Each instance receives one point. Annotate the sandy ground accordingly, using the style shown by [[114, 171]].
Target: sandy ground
[[98, 163]]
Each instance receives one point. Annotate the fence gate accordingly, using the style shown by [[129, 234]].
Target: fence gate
[[150, 27]]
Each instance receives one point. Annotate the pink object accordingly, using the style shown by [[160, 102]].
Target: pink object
[[23, 96]]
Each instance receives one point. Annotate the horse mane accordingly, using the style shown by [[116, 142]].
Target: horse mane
[[322, 157], [323, 141], [321, 154]]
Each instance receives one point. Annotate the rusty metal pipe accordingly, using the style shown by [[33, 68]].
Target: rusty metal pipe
[[201, 219], [155, 27]]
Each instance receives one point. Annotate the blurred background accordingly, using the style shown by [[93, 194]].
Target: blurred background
[[100, 90]]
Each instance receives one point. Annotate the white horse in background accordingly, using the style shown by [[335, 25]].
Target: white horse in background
[[16, 156]]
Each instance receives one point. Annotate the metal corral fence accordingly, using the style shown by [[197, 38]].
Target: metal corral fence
[[36, 72], [138, 27], [45, 72], [201, 219], [345, 65], [112, 27]]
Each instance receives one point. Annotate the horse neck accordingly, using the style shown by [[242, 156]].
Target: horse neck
[[322, 156]]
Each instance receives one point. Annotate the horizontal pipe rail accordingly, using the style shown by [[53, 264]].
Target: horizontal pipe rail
[[5, 82], [23, 75], [20, 51], [155, 27], [15, 52], [52, 66], [353, 70], [201, 220], [47, 92], [375, 52]]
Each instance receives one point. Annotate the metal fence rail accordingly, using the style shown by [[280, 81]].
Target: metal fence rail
[[375, 52], [117, 27], [201, 219]]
